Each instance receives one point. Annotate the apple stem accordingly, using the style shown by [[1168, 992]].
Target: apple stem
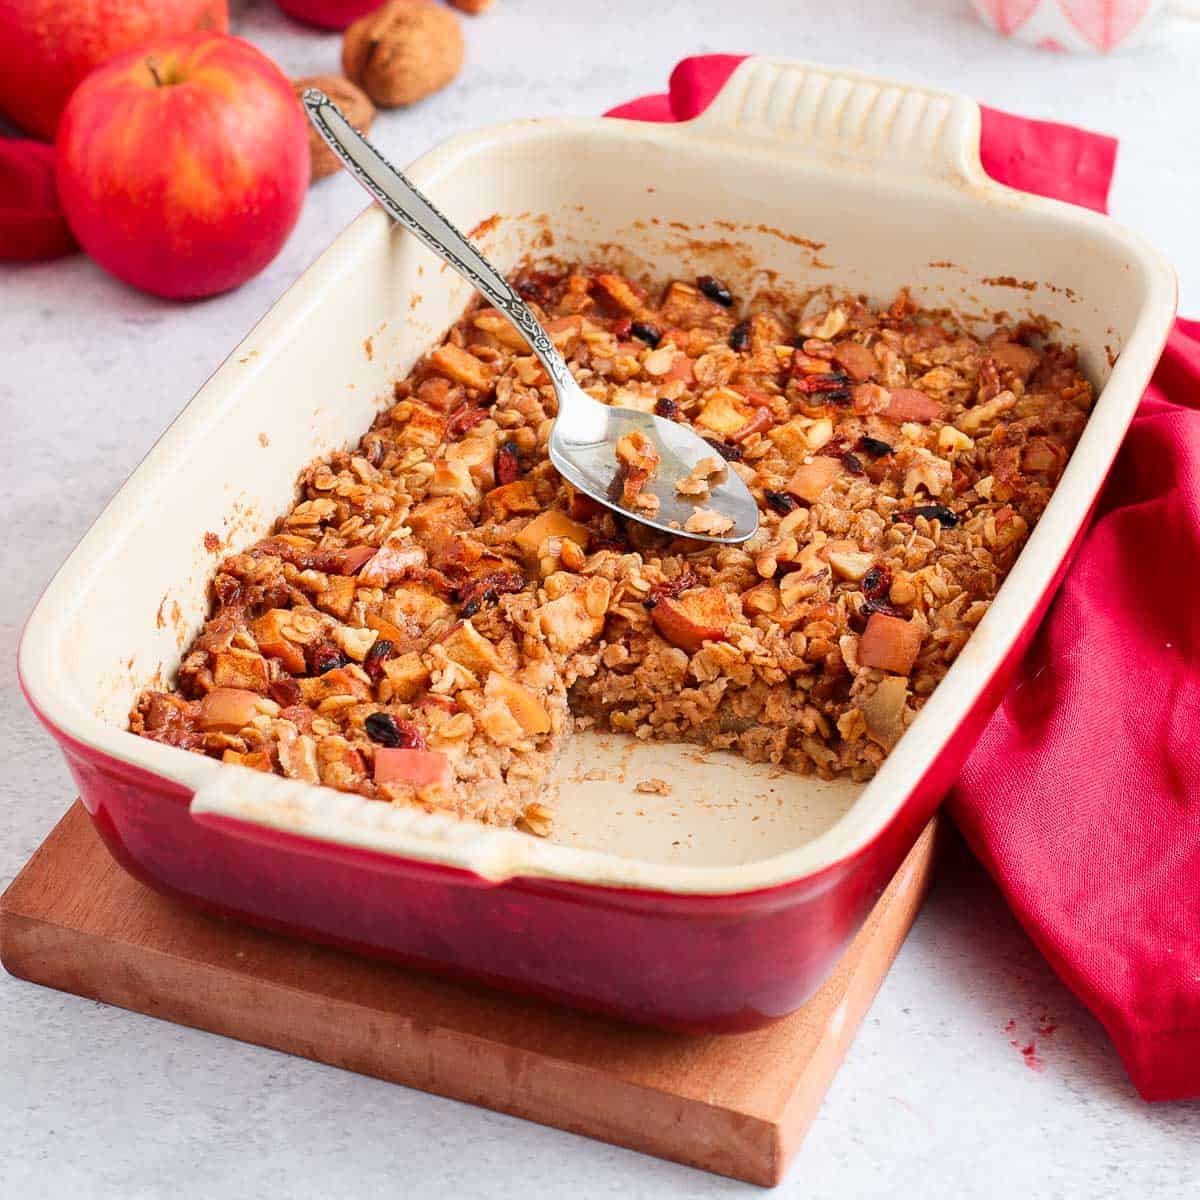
[[152, 66]]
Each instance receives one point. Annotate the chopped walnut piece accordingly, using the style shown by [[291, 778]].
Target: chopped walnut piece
[[696, 482], [537, 819], [708, 520]]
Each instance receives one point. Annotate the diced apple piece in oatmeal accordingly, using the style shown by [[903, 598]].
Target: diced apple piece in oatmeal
[[406, 677], [889, 643], [724, 413], [417, 768], [526, 709], [810, 479], [456, 364], [552, 523], [228, 709], [277, 637], [693, 618], [236, 668], [848, 561], [470, 649], [575, 618], [637, 464]]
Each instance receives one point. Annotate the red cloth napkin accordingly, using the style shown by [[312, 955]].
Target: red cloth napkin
[[1082, 797]]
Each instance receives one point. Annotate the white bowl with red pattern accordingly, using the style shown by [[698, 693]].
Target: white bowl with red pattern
[[1088, 26]]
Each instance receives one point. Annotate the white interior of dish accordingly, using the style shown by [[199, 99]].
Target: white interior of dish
[[671, 201]]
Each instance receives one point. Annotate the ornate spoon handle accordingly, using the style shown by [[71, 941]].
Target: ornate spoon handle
[[404, 203]]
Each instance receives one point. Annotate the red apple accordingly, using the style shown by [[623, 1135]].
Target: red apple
[[48, 46], [182, 167], [32, 224], [328, 14]]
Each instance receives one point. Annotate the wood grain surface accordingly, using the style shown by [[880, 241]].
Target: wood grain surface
[[736, 1104]]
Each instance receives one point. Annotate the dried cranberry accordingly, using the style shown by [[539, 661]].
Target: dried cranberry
[[715, 290], [508, 464], [739, 339], [880, 606], [383, 728], [835, 447], [285, 692], [621, 327], [323, 656], [645, 332], [877, 581], [380, 651], [484, 589], [874, 447], [852, 463], [827, 381], [782, 502], [671, 588], [666, 408], [464, 418], [539, 286], [727, 450], [931, 512]]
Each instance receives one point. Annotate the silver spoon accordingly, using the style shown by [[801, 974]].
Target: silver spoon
[[583, 441]]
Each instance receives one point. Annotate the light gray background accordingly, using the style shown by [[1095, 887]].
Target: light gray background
[[936, 1097]]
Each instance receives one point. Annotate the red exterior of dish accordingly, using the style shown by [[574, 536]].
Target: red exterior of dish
[[696, 963]]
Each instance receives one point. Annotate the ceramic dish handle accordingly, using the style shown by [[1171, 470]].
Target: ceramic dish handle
[[850, 118], [257, 806]]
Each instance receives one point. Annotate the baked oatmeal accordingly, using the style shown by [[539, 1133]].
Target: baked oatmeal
[[440, 608]]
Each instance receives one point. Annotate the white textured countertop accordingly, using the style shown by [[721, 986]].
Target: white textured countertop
[[937, 1096]]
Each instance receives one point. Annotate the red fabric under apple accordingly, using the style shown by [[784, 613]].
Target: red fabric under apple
[[1082, 797], [32, 224]]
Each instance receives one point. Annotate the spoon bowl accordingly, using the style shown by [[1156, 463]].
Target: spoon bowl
[[582, 450]]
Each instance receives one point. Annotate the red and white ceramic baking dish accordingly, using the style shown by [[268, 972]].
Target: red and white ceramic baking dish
[[724, 904]]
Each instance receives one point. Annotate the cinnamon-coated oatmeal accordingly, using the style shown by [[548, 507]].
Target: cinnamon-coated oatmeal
[[439, 608]]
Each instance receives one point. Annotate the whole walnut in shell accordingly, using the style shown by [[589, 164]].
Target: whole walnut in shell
[[403, 52], [355, 106]]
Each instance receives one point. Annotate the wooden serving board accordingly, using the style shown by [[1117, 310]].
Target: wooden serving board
[[737, 1104]]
